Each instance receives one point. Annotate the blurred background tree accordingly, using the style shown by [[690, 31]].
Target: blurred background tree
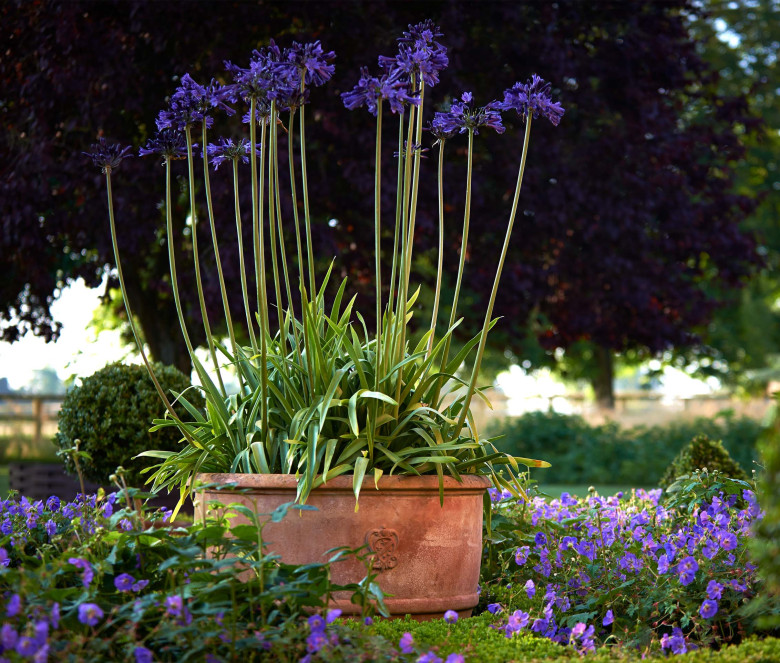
[[633, 217]]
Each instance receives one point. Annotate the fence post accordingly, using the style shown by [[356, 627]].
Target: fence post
[[37, 410]]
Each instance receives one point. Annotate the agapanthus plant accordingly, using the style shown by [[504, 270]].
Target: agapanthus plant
[[320, 396]]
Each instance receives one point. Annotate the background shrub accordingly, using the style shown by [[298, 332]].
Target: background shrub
[[765, 546], [702, 452], [111, 413], [608, 454]]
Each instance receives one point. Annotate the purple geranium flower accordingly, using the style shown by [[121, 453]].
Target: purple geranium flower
[[13, 606], [107, 156], [494, 608], [608, 618], [676, 642], [708, 608], [90, 614], [124, 582], [532, 98], [714, 589], [86, 567], [173, 605], [530, 588], [142, 655], [450, 616], [406, 643], [521, 555]]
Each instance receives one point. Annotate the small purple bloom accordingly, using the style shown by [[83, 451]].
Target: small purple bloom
[[521, 555], [450, 616], [8, 636], [88, 574], [494, 608], [90, 614], [174, 605], [54, 617], [142, 655], [53, 503], [540, 539], [124, 582], [26, 646], [13, 606], [4, 559], [714, 589], [368, 621], [455, 658], [50, 527], [530, 588], [608, 618], [708, 608], [428, 657], [406, 643], [125, 524], [728, 541]]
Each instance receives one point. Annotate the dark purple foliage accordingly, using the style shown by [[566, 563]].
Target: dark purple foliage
[[627, 233]]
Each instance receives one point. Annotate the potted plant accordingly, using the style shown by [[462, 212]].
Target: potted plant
[[326, 410]]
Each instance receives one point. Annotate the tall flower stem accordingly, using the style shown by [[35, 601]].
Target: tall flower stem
[[298, 244], [403, 294], [283, 253], [272, 187], [464, 242], [259, 247], [305, 188], [241, 262], [217, 260], [377, 238], [393, 295], [440, 260], [489, 312], [130, 319], [196, 260], [409, 249], [172, 259]]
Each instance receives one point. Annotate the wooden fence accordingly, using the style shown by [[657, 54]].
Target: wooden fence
[[33, 415]]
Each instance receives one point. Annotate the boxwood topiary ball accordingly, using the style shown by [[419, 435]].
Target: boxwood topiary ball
[[111, 413], [702, 453]]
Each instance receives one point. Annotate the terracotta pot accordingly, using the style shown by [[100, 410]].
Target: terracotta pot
[[427, 555]]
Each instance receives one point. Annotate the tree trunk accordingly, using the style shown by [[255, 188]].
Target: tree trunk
[[603, 378]]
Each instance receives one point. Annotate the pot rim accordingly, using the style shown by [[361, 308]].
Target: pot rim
[[399, 483]]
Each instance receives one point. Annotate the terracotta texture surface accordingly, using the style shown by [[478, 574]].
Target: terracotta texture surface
[[427, 554]]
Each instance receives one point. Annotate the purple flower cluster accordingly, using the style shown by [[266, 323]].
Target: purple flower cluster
[[532, 99], [463, 117], [226, 150], [280, 76], [107, 156], [318, 638], [420, 58], [581, 549], [370, 90], [167, 143], [419, 55], [193, 103]]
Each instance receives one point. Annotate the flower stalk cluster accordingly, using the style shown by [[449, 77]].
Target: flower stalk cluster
[[314, 397]]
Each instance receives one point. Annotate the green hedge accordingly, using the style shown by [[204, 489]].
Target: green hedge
[[581, 453], [478, 642]]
